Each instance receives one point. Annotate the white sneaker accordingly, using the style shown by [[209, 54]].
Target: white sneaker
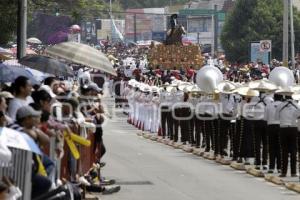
[[83, 181]]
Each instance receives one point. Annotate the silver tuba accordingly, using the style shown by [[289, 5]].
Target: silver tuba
[[208, 78], [282, 77]]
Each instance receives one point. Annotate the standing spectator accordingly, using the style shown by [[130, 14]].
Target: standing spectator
[[22, 87]]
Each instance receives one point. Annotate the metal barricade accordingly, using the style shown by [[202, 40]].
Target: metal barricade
[[19, 169]]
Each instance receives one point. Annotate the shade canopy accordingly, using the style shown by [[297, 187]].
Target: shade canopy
[[82, 54]]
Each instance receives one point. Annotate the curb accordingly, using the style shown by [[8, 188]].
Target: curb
[[238, 166], [218, 159], [254, 172], [209, 156], [171, 143], [147, 135], [293, 186], [223, 161], [160, 139], [140, 134], [196, 151], [177, 145], [274, 179], [166, 141], [154, 138], [187, 148]]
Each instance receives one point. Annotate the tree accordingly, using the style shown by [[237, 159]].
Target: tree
[[253, 21], [8, 20]]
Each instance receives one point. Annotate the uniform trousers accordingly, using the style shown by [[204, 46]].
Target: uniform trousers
[[231, 135], [288, 141], [245, 138], [176, 122], [274, 146], [209, 126], [222, 136], [260, 139], [195, 132], [164, 118], [235, 140], [185, 128]]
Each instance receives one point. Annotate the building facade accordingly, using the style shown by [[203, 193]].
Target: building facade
[[145, 24]]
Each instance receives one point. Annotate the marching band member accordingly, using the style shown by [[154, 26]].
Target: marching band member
[[288, 112], [245, 125], [185, 114], [226, 115], [195, 122], [259, 122], [177, 98], [273, 130], [155, 110], [166, 112], [209, 123]]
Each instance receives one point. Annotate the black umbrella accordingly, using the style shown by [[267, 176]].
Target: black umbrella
[[9, 72], [47, 65]]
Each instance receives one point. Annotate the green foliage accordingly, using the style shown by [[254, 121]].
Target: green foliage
[[149, 3], [8, 20], [253, 21], [77, 9]]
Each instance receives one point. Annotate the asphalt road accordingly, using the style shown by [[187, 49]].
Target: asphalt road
[[147, 170]]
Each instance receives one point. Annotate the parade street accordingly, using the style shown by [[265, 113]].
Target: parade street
[[148, 170]]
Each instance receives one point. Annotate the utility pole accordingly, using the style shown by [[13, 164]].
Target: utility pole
[[110, 7], [134, 27], [292, 35], [216, 29], [212, 36], [285, 47], [22, 28]]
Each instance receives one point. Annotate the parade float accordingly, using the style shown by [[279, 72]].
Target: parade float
[[173, 54]]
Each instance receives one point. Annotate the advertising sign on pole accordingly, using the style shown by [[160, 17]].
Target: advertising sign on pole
[[257, 55]]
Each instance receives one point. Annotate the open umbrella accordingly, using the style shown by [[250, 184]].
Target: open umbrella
[[28, 51], [82, 54], [10, 71], [47, 65], [5, 54], [34, 40], [18, 140]]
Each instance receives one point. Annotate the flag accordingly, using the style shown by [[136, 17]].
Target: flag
[[116, 34]]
